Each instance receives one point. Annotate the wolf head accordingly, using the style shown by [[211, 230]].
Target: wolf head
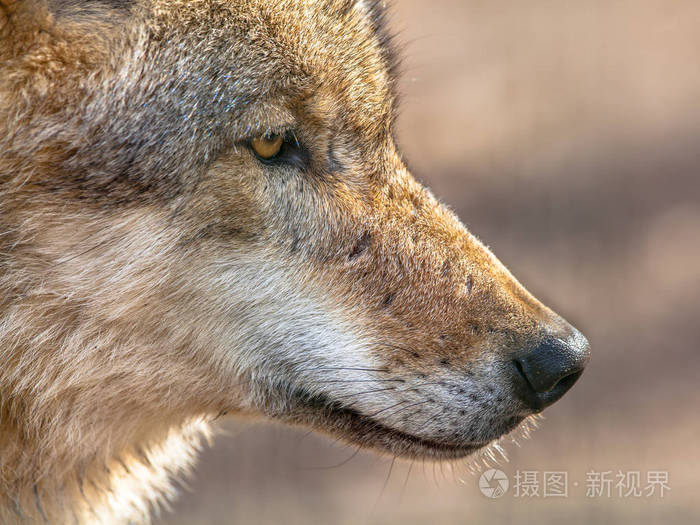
[[204, 211]]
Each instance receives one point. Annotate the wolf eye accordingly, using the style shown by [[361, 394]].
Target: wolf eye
[[267, 146], [279, 149]]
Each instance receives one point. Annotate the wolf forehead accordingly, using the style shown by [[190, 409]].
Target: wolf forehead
[[175, 83]]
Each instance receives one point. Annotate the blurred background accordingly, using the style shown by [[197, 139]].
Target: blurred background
[[567, 136]]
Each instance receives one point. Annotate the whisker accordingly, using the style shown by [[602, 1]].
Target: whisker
[[412, 413], [414, 353], [408, 406], [424, 383], [346, 460], [425, 424], [405, 481], [283, 375], [361, 381], [386, 483], [343, 368], [388, 408], [366, 392]]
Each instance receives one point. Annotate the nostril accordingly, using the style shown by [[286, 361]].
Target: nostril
[[519, 367], [523, 388], [551, 361], [567, 381], [548, 370]]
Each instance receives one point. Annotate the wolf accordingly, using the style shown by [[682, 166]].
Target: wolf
[[203, 211]]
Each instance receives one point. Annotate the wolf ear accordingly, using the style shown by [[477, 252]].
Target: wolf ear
[[20, 22]]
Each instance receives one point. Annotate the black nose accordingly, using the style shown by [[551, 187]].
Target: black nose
[[545, 372]]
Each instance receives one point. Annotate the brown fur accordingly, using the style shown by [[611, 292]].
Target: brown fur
[[154, 274]]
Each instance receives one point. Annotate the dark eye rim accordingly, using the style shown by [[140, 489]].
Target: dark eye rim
[[292, 153]]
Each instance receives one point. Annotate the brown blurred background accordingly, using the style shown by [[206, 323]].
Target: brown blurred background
[[567, 136]]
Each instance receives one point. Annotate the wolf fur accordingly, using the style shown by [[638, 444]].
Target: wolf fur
[[155, 275]]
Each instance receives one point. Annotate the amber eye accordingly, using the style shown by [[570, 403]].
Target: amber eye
[[267, 146]]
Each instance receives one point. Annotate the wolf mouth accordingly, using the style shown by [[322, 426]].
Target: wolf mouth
[[359, 429]]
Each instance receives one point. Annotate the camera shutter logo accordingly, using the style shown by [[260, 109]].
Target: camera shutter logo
[[493, 483]]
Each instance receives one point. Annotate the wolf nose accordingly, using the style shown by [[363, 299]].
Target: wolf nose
[[546, 372]]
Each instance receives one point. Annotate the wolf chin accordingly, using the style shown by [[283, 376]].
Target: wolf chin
[[203, 211]]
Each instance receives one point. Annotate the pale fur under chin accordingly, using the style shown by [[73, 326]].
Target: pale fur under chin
[[130, 488], [143, 482]]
